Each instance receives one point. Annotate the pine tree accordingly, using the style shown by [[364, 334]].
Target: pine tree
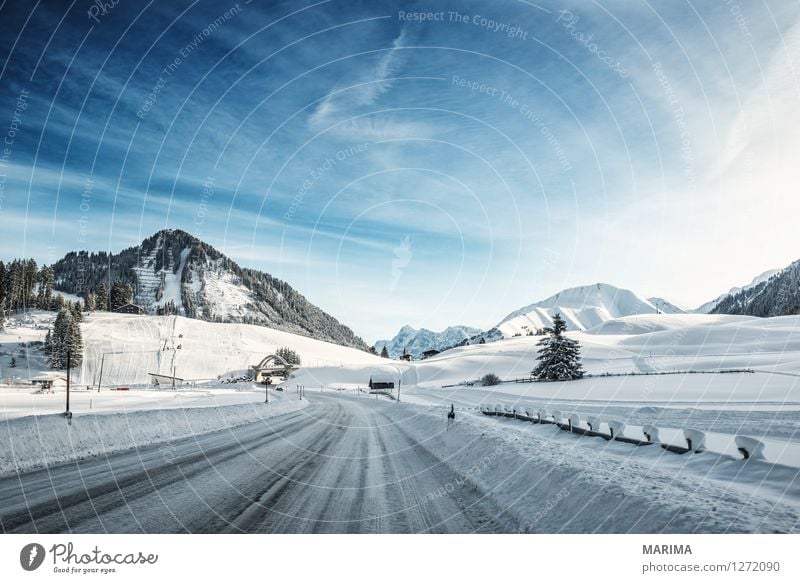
[[89, 302], [75, 308], [559, 356], [66, 338], [48, 343], [120, 295], [3, 284], [101, 303], [288, 355], [74, 343], [384, 352], [12, 363], [58, 302], [44, 295]]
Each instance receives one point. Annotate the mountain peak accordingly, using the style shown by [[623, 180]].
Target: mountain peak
[[174, 272], [415, 342], [582, 307]]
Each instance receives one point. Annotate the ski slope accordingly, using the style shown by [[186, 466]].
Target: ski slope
[[191, 349]]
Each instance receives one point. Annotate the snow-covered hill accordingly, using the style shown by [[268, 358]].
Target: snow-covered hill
[[709, 306], [415, 342], [128, 347], [173, 272], [666, 307], [193, 349], [582, 308]]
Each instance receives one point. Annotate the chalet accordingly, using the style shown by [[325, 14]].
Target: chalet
[[379, 383], [406, 356], [430, 353], [130, 309]]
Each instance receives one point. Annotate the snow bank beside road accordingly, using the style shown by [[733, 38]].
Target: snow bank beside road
[[554, 481], [40, 441]]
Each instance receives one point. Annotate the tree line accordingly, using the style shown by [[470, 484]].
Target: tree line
[[25, 286]]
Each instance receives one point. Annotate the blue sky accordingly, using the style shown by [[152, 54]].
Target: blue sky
[[428, 163]]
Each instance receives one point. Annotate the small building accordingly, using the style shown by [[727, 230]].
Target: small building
[[163, 380], [47, 384], [430, 353], [130, 309], [379, 383], [406, 356]]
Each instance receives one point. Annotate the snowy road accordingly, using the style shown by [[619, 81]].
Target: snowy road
[[322, 469]]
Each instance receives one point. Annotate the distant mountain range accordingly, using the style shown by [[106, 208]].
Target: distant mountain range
[[175, 272], [773, 293], [415, 342]]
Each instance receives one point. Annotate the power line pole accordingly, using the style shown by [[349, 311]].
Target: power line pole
[[102, 362], [67, 413]]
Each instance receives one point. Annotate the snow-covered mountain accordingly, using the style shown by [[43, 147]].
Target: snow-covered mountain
[[775, 293], [666, 307], [709, 307], [415, 342], [582, 308], [173, 272]]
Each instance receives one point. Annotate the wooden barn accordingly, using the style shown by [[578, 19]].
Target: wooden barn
[[379, 383], [130, 309]]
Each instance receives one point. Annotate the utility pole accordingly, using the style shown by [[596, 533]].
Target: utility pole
[[67, 413], [399, 381], [102, 362]]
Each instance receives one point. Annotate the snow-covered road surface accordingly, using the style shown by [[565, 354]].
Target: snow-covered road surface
[[340, 465], [348, 464]]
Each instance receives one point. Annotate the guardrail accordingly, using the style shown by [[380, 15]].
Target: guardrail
[[748, 447]]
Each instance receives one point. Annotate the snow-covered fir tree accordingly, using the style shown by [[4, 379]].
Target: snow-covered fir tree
[[44, 295], [48, 343], [559, 356], [66, 338], [121, 294], [101, 301], [289, 355]]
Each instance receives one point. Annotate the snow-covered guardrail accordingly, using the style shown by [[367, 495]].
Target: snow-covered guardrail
[[695, 440], [749, 447]]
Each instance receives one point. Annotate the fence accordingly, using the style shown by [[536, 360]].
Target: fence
[[531, 379]]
